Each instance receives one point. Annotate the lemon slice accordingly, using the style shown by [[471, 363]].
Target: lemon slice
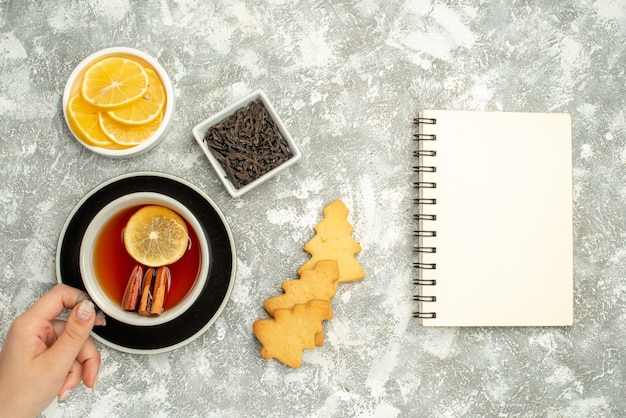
[[113, 82], [156, 236], [145, 109], [128, 135], [85, 122]]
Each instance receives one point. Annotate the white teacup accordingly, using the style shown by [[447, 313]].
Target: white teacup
[[113, 308]]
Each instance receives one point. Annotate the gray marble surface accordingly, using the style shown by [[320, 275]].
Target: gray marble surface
[[347, 78]]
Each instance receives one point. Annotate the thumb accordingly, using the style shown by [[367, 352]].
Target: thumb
[[77, 330]]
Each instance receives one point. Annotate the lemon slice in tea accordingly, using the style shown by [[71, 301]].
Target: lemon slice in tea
[[156, 236]]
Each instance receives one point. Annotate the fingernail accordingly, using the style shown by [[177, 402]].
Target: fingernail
[[64, 395], [85, 310], [95, 383]]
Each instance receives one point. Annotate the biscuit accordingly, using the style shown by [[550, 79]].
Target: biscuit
[[319, 283], [290, 331], [333, 241]]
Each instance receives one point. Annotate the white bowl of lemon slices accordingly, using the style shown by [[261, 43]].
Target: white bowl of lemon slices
[[118, 102]]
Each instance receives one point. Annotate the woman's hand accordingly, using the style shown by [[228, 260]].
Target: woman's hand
[[43, 357]]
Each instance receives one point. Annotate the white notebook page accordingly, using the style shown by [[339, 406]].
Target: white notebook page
[[504, 219]]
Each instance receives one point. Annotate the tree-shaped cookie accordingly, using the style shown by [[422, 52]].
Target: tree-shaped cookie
[[319, 283], [333, 241], [291, 331]]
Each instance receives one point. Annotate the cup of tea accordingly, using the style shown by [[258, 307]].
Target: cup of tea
[[106, 266]]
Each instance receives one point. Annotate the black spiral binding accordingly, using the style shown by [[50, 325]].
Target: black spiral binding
[[422, 204]]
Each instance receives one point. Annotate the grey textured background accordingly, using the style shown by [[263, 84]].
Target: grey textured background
[[347, 78]]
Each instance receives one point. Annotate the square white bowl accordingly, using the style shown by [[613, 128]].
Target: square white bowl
[[200, 130]]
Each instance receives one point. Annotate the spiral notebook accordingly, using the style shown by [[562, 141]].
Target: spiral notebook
[[494, 219]]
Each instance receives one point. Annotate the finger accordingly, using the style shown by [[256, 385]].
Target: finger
[[90, 359], [59, 326], [71, 340], [52, 303], [73, 378], [100, 319]]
